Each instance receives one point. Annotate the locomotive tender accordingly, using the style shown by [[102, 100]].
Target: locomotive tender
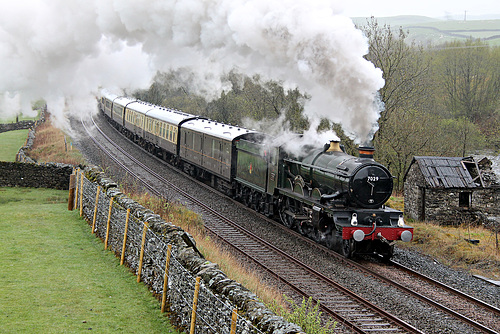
[[325, 194]]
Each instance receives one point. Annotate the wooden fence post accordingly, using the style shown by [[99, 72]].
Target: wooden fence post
[[71, 196], [95, 208], [141, 256], [81, 194], [125, 237], [165, 279], [234, 319], [77, 189], [195, 304], [109, 221]]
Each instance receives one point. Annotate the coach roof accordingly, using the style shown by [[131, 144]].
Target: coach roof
[[216, 129], [171, 116], [123, 101]]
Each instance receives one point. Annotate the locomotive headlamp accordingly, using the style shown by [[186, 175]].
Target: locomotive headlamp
[[358, 235], [354, 219], [401, 221], [406, 236]]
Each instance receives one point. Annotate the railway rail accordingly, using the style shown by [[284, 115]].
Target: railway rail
[[472, 311], [352, 311]]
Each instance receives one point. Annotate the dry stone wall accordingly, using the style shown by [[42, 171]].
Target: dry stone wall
[[31, 175], [16, 126], [218, 295]]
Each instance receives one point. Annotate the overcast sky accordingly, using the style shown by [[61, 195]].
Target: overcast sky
[[432, 8]]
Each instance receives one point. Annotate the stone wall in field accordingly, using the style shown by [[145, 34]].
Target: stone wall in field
[[25, 172], [16, 126], [31, 175], [21, 156], [218, 295]]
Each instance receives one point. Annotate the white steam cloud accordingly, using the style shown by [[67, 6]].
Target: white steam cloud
[[64, 50]]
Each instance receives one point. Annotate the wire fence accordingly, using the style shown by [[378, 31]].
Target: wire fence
[[126, 232]]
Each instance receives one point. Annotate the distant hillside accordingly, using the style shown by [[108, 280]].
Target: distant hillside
[[437, 31]]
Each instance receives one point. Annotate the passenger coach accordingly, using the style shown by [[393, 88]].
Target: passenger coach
[[208, 150]]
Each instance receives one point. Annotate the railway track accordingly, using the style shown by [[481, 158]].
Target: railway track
[[350, 310], [475, 312], [472, 311]]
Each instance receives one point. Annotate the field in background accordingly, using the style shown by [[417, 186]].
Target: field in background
[[429, 30], [56, 277], [11, 142]]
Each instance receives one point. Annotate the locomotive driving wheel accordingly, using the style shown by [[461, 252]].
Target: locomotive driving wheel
[[286, 212]]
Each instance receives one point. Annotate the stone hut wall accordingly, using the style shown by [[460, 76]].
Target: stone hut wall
[[413, 193], [442, 204], [219, 295]]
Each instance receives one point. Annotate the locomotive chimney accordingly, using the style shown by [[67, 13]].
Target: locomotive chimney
[[334, 146], [366, 152]]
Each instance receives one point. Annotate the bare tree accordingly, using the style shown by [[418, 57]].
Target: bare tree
[[471, 79]]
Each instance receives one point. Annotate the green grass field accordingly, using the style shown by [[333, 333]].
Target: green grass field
[[55, 276], [11, 142], [425, 29]]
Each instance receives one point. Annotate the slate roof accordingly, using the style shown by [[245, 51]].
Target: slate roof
[[445, 172]]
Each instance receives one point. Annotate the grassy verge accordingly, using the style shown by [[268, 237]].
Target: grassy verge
[[12, 141], [192, 223], [56, 277], [447, 244], [53, 145]]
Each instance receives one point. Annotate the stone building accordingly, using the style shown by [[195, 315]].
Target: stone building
[[451, 190]]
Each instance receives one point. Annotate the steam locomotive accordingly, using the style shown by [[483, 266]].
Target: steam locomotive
[[325, 194]]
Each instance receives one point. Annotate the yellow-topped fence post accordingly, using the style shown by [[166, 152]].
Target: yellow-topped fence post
[[195, 304], [95, 208], [234, 319], [141, 257], [165, 279], [109, 221], [125, 237]]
